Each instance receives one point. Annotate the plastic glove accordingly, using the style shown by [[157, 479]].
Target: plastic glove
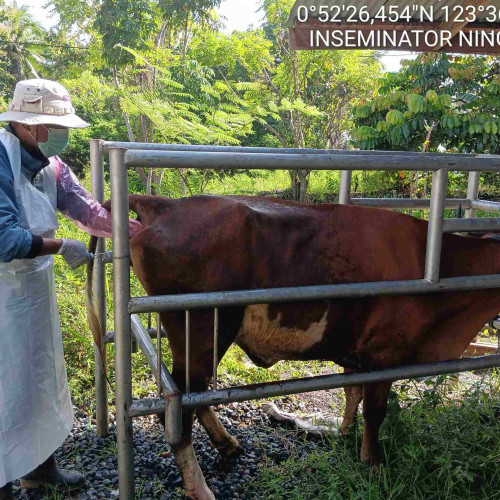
[[78, 205], [74, 253]]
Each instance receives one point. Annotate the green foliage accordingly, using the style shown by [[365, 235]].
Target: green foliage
[[18, 30], [95, 101], [431, 450], [128, 23], [439, 101]]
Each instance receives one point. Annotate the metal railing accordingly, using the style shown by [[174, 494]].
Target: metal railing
[[128, 326]]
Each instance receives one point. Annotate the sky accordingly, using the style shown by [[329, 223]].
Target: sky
[[239, 15]]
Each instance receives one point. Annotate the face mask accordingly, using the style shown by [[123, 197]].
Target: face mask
[[57, 142]]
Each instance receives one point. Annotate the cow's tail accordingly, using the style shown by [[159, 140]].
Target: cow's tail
[[92, 316]]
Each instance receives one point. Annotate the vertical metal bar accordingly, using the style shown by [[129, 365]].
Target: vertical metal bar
[[345, 187], [436, 221], [173, 419], [216, 346], [123, 334], [472, 193], [158, 351], [188, 353], [99, 280]]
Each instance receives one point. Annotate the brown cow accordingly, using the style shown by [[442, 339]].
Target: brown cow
[[213, 243]]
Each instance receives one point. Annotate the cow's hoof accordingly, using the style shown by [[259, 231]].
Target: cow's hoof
[[202, 493], [227, 459], [373, 461], [231, 451], [345, 430]]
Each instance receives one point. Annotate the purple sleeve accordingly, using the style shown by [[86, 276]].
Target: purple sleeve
[[77, 204]]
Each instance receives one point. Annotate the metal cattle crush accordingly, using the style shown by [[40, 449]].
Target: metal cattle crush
[[129, 329]]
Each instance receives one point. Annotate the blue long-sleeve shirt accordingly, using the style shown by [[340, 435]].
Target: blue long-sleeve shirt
[[73, 201], [15, 242]]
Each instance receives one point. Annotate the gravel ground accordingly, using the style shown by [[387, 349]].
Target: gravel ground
[[156, 473], [265, 443]]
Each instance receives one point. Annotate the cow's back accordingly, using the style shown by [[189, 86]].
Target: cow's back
[[210, 243], [257, 242]]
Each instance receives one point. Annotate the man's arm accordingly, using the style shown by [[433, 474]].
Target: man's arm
[[77, 204], [50, 247], [15, 242]]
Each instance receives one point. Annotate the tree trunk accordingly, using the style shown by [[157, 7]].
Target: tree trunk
[[16, 63], [298, 132], [125, 115], [186, 33], [32, 69], [148, 183], [142, 173], [293, 178], [303, 175], [183, 184]]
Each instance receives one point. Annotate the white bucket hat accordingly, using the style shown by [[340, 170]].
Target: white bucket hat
[[42, 102]]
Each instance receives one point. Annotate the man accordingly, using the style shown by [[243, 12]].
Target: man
[[36, 413]]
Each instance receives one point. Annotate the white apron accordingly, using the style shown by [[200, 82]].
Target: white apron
[[36, 414]]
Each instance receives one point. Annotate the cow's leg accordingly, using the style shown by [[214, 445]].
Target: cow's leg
[[375, 398], [226, 444], [200, 364], [194, 483], [353, 397], [195, 486]]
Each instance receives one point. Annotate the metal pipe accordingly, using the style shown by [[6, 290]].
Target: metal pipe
[[159, 353], [146, 146], [216, 346], [311, 384], [309, 293], [408, 203], [168, 406], [188, 353], [345, 187], [168, 385], [145, 407], [106, 257], [123, 355], [486, 206], [109, 337], [268, 161], [260, 391], [99, 291], [173, 419], [171, 393], [436, 221], [464, 225], [472, 193]]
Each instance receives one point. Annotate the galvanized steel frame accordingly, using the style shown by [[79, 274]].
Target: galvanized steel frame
[[128, 325]]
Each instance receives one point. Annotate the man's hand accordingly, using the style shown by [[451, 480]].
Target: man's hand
[[74, 253]]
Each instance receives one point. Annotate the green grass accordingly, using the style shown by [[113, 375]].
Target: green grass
[[449, 450]]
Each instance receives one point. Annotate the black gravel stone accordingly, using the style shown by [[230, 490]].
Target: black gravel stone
[[156, 475]]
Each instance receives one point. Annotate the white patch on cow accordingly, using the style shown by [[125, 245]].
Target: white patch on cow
[[269, 342]]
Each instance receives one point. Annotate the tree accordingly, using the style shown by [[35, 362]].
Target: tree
[[295, 99], [436, 102], [459, 95], [20, 32], [187, 14]]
